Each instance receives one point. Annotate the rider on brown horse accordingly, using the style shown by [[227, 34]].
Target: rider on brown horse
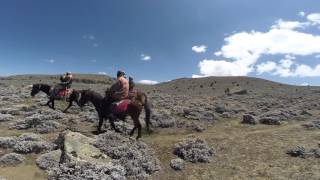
[[65, 83]]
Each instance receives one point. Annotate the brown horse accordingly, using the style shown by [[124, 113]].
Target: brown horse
[[47, 89], [137, 103]]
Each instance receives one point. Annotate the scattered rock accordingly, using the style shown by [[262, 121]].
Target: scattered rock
[[177, 164], [248, 119], [297, 151], [11, 159], [194, 150], [138, 160], [300, 151]]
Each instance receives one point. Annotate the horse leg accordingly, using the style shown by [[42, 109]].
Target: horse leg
[[139, 128], [52, 102], [112, 118], [70, 104], [137, 124], [100, 123]]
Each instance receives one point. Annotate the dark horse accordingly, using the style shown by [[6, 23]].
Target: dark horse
[[137, 103], [74, 96]]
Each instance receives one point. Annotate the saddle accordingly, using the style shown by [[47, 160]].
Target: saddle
[[120, 106]]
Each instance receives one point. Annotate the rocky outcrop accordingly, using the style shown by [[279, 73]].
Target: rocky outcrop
[[79, 148]]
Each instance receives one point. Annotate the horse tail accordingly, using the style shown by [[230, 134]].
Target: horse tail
[[147, 110]]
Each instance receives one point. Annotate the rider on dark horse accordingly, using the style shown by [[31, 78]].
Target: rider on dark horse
[[65, 84], [119, 90]]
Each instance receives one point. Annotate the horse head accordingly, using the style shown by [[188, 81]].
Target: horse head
[[35, 89]]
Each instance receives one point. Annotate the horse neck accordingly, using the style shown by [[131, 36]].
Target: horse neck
[[45, 88], [95, 99]]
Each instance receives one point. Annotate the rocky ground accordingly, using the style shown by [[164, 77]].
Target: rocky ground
[[210, 128]]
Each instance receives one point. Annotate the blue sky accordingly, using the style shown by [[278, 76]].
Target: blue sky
[[162, 40]]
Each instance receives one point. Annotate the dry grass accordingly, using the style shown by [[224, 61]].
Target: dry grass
[[242, 152]]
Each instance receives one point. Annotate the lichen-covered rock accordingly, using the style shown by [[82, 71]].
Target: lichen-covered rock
[[194, 150], [85, 171], [49, 160], [78, 147], [177, 164], [135, 156], [11, 159]]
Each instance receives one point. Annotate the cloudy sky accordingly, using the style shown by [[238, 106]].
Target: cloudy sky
[[156, 41]]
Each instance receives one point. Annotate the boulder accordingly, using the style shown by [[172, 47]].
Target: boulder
[[11, 159], [78, 147], [177, 164]]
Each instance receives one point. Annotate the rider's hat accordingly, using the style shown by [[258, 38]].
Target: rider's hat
[[120, 73]]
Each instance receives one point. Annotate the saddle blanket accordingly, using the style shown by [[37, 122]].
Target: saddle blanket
[[121, 106], [64, 93]]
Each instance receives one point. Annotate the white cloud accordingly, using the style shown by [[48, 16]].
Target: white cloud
[[243, 50], [304, 84], [199, 49], [51, 61], [314, 18], [95, 45], [281, 24], [145, 57], [266, 67], [302, 14], [102, 73], [149, 82], [93, 60]]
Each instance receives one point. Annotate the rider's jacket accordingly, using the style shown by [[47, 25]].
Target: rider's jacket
[[120, 89], [66, 80]]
